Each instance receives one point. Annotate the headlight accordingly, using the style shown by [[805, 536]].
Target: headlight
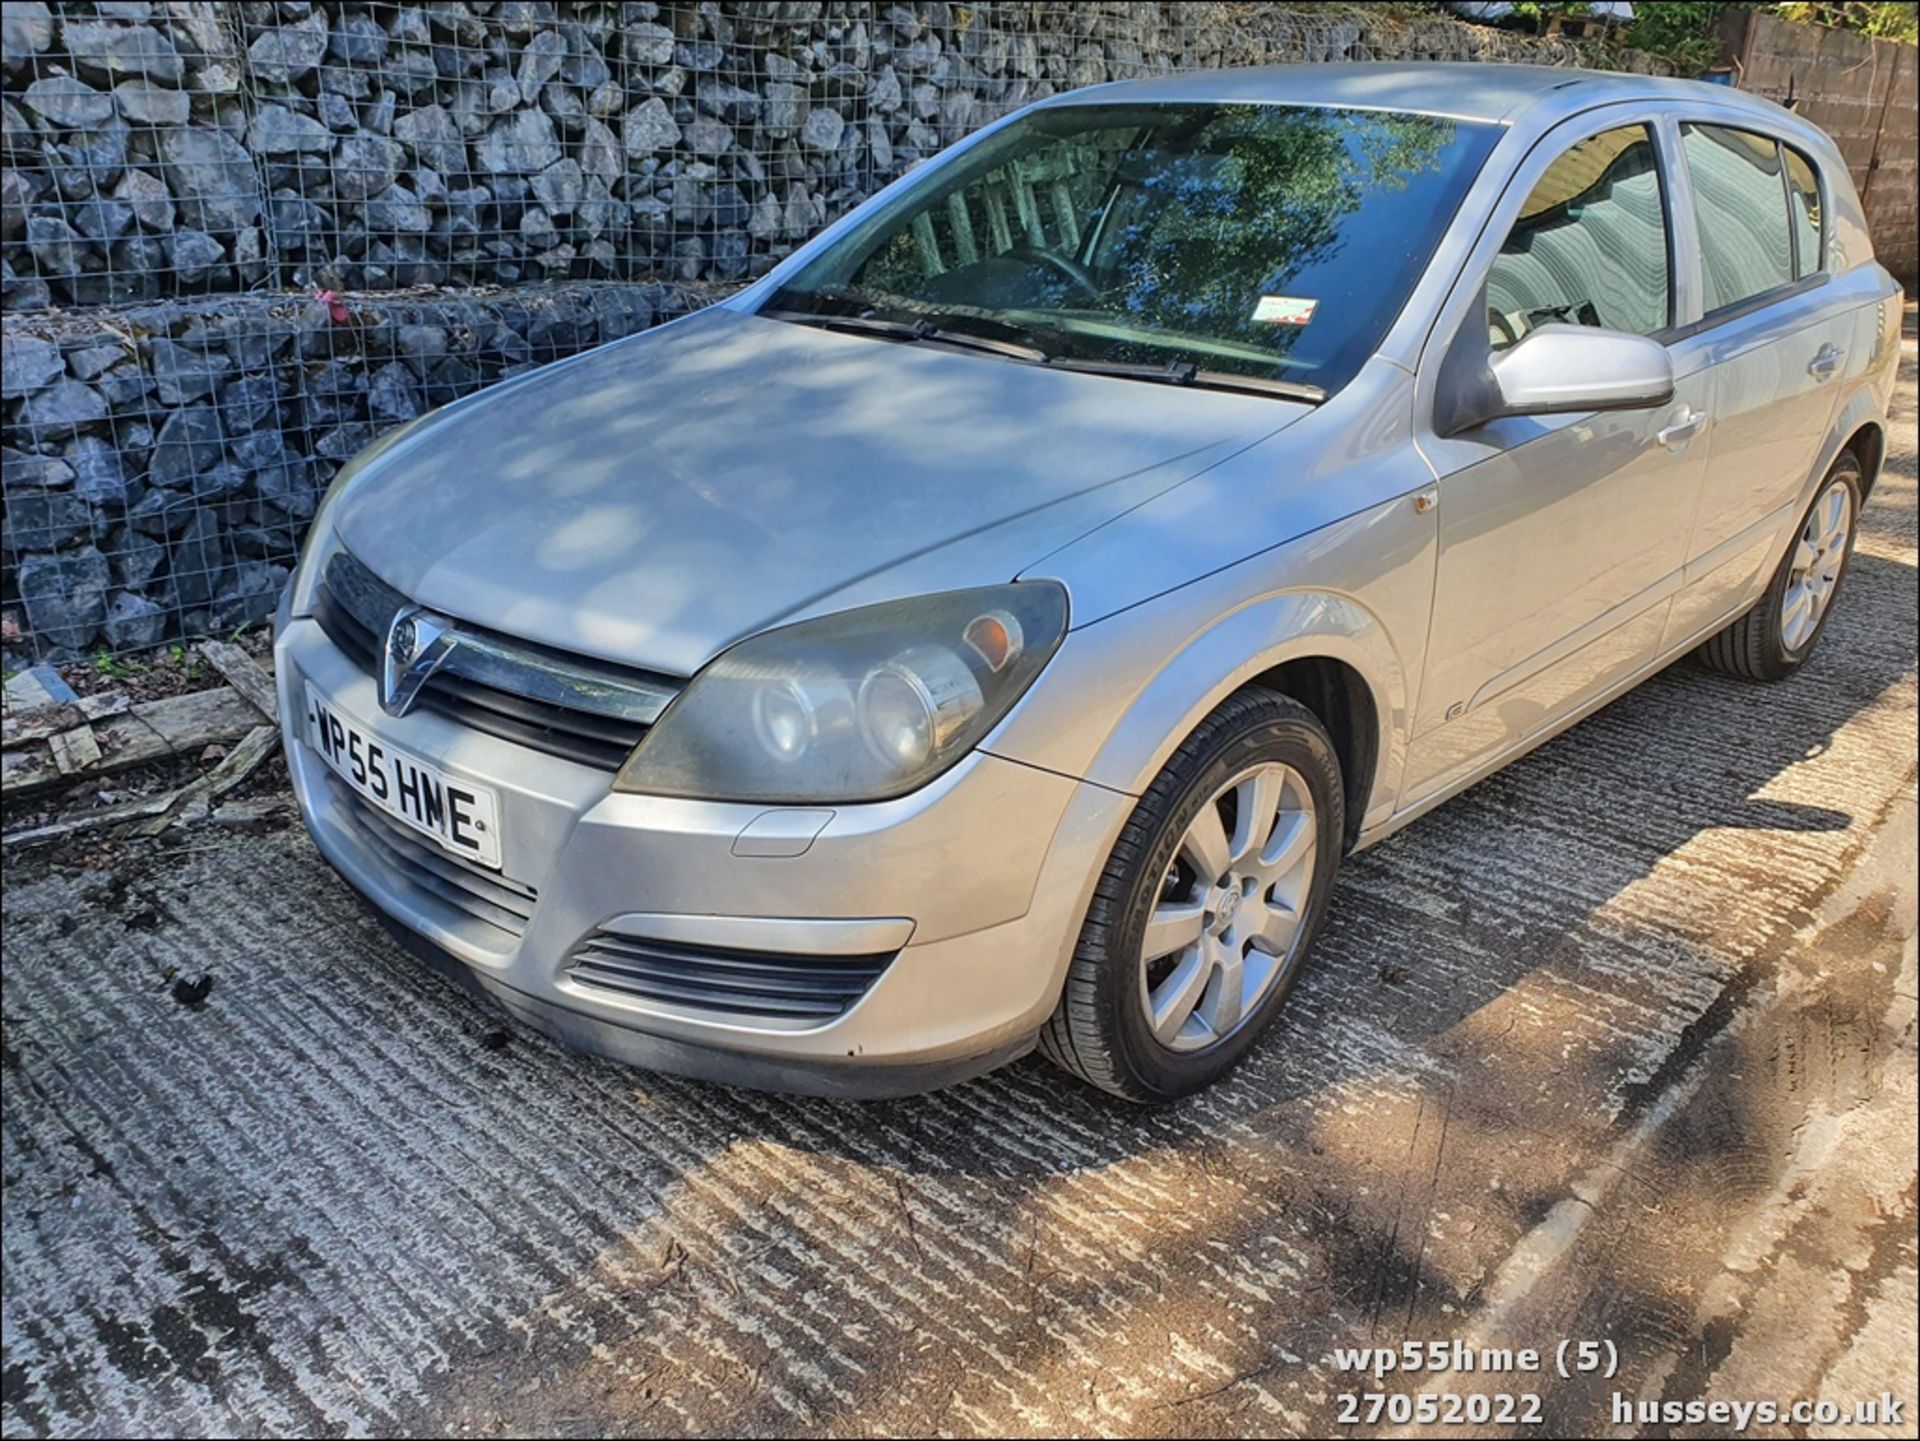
[[859, 706]]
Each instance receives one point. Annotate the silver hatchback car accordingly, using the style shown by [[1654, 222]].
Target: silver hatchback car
[[992, 627]]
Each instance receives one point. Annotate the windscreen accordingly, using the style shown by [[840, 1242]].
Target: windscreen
[[1268, 241]]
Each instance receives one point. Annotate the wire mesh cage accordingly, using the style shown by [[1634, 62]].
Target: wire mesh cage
[[241, 240]]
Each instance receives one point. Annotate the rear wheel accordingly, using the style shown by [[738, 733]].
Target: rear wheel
[[1208, 905], [1775, 638]]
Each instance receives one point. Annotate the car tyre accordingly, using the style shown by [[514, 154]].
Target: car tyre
[[1260, 753], [1775, 638]]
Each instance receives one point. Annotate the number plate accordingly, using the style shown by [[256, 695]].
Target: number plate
[[463, 817]]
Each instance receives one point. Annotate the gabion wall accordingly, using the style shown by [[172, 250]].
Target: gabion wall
[[241, 239]]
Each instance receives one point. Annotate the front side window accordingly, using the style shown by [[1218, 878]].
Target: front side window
[[1271, 242], [1803, 204], [1746, 239], [1589, 246]]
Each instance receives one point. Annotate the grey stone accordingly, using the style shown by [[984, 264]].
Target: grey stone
[[159, 513], [212, 177], [363, 166], [99, 478], [26, 364], [398, 210], [191, 254], [649, 127], [56, 245], [219, 481], [23, 468], [392, 394], [16, 194], [249, 403], [62, 408], [433, 136], [45, 520], [249, 595], [100, 46], [259, 450], [559, 186], [146, 103], [343, 442], [600, 154], [87, 361], [357, 40], [822, 129], [132, 622], [336, 112], [784, 110], [647, 44], [287, 52], [520, 146], [181, 374], [707, 137], [71, 104], [65, 596], [136, 558], [539, 62], [189, 443], [276, 130], [198, 561], [147, 193], [103, 219], [26, 30]]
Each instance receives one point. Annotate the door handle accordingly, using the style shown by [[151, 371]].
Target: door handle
[[1685, 426], [1825, 362]]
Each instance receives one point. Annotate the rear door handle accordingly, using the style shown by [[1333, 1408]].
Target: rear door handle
[[1683, 429], [1825, 362]]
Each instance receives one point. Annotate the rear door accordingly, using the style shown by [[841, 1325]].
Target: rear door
[[1775, 333], [1563, 537]]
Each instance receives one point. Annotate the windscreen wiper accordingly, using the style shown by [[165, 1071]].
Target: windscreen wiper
[[1179, 372], [910, 331]]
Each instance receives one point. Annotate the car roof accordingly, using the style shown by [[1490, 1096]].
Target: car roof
[[1467, 91]]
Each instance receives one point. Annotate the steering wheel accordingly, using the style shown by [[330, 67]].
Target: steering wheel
[[1064, 266], [1498, 321]]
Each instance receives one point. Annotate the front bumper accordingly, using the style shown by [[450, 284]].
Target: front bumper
[[980, 880]]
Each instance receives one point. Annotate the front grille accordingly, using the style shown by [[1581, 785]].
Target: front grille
[[745, 983], [566, 706], [498, 900]]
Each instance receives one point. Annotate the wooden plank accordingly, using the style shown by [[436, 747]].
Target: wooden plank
[[194, 800], [75, 750], [152, 730], [82, 821], [244, 674], [44, 723]]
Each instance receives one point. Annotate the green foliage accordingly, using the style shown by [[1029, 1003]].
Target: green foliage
[[1681, 33], [1881, 21]]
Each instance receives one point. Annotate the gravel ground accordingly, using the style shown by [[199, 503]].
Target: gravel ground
[[1618, 1046]]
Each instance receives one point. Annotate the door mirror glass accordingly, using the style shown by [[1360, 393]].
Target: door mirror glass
[[1562, 368]]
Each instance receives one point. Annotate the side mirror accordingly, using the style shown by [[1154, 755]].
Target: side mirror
[[1556, 370]]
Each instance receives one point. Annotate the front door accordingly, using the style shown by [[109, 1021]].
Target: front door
[[1562, 538]]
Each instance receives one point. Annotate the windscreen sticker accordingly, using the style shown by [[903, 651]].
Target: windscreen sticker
[[1284, 310]]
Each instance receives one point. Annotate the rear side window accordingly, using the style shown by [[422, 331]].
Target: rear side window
[[1803, 204], [1740, 197], [1589, 246]]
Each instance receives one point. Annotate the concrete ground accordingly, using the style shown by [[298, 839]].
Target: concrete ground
[[1618, 1047]]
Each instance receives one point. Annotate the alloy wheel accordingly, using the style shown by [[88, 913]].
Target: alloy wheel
[[1818, 558], [1226, 925]]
